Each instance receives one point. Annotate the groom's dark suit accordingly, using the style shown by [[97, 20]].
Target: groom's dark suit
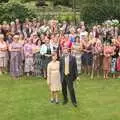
[[67, 80]]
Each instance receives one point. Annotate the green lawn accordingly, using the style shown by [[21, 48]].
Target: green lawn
[[28, 99]]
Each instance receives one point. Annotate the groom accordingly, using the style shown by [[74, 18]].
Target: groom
[[68, 70]]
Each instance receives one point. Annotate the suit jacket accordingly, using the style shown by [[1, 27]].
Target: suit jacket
[[72, 68]]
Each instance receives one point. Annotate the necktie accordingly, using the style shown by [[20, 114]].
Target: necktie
[[66, 65]]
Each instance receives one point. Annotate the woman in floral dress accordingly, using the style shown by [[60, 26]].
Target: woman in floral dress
[[16, 60], [108, 52]]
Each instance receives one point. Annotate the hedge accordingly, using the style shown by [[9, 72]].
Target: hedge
[[94, 14]]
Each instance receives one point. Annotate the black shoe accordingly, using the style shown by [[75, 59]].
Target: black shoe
[[75, 104], [52, 101], [57, 102], [65, 102]]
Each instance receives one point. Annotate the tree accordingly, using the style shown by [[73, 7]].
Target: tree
[[11, 11], [97, 11]]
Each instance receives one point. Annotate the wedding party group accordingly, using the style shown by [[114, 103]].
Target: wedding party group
[[59, 52]]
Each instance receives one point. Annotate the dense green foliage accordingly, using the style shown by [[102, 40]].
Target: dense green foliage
[[28, 99], [11, 11], [2, 1], [91, 11], [94, 11], [23, 1], [97, 11]]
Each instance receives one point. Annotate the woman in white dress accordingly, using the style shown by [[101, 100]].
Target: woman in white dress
[[53, 78]]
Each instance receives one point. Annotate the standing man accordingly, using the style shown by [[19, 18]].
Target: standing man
[[68, 70]]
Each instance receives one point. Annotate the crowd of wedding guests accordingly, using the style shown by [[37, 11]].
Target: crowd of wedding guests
[[34, 48], [26, 48]]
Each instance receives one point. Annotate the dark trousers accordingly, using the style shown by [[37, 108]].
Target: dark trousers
[[68, 83]]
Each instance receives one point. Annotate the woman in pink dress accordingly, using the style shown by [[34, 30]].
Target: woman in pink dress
[[97, 51], [62, 39], [118, 64], [65, 42], [3, 54], [108, 52]]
